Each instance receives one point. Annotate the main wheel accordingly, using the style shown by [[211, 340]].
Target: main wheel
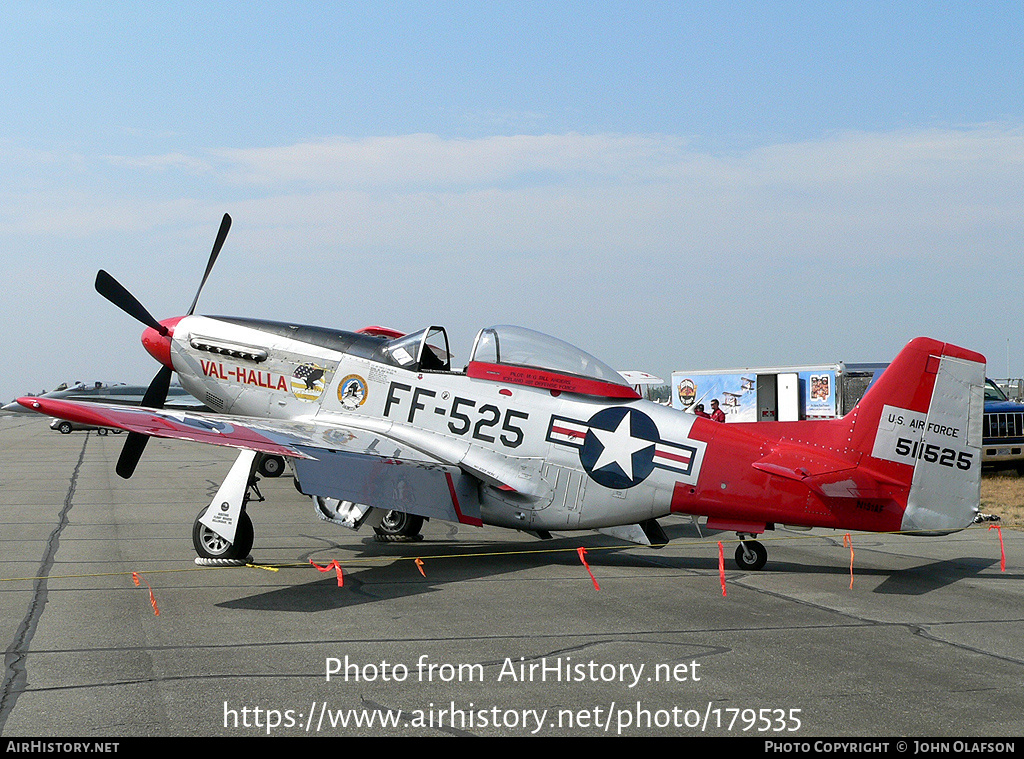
[[210, 545], [398, 527], [751, 555], [271, 466]]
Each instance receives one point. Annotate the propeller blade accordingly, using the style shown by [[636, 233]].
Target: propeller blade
[[130, 454], [115, 292], [135, 444], [156, 393], [225, 225]]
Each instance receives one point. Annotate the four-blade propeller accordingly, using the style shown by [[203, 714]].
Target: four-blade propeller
[[156, 393]]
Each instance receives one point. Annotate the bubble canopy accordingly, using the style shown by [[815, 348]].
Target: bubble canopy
[[523, 357]]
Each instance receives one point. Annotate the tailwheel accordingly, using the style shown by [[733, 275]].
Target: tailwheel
[[751, 555], [210, 545], [399, 527]]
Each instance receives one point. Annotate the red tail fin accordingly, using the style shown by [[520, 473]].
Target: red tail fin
[[920, 422]]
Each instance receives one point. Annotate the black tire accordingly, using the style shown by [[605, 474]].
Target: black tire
[[64, 428], [399, 527], [271, 466], [102, 431], [210, 545], [759, 559]]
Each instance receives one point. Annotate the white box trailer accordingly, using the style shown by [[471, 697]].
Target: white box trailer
[[778, 393]]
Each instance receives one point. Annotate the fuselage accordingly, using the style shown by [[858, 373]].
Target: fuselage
[[553, 451]]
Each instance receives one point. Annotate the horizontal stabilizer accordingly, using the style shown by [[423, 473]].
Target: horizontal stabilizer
[[827, 476], [803, 465]]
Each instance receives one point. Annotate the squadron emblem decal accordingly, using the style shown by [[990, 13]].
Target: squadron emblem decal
[[352, 391], [309, 381], [620, 447]]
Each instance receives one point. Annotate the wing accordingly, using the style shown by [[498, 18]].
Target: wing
[[331, 460]]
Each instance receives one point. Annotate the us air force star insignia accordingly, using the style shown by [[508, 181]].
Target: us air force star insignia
[[618, 451], [620, 447], [203, 424]]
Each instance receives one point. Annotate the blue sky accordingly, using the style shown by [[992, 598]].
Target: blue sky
[[667, 185]]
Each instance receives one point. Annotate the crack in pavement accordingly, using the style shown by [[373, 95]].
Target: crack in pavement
[[15, 671]]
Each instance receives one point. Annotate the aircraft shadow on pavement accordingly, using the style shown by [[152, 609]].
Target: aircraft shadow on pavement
[[445, 562], [916, 581], [456, 560]]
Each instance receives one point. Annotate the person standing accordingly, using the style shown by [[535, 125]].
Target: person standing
[[716, 413]]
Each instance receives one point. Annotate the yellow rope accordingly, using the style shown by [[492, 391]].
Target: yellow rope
[[462, 555]]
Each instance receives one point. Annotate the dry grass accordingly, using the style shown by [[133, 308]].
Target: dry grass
[[1002, 494]]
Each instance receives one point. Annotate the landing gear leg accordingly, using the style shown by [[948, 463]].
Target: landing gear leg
[[223, 530], [750, 554]]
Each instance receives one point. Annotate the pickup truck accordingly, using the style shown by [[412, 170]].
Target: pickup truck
[[1002, 435]]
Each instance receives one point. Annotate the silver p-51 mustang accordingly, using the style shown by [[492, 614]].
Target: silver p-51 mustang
[[534, 434]]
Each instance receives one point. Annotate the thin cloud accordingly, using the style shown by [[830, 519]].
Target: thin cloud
[[877, 194], [566, 194], [425, 159], [165, 162]]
